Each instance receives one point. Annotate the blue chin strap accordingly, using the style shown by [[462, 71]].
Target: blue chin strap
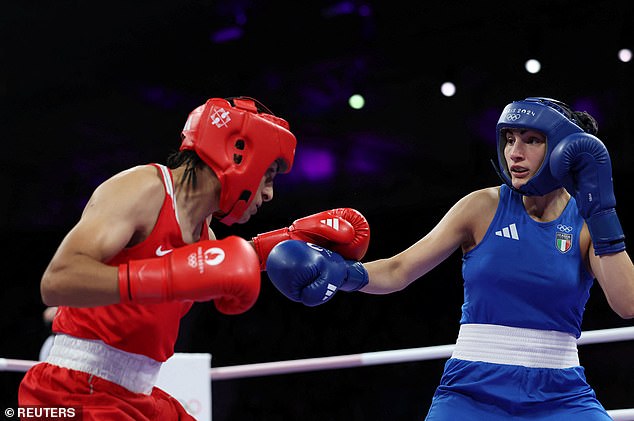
[[548, 116]]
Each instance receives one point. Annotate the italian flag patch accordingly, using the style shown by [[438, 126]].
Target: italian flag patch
[[563, 241]]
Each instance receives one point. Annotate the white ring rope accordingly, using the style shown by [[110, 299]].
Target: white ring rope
[[385, 357], [366, 359], [351, 360]]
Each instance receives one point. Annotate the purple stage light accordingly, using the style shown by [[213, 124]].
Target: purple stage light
[[226, 34], [314, 164]]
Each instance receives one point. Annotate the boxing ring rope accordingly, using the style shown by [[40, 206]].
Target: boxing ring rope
[[366, 359], [384, 357]]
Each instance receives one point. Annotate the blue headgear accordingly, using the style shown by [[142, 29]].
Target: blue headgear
[[548, 116]]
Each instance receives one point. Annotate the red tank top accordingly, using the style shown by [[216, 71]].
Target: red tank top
[[150, 329]]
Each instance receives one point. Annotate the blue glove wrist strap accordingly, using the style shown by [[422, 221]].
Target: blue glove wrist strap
[[606, 232], [357, 277]]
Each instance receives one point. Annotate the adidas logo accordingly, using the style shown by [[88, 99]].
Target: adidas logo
[[330, 289], [508, 232], [331, 222]]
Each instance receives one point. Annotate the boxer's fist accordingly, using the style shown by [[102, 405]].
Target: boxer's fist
[[226, 271], [342, 230], [582, 163], [310, 274]]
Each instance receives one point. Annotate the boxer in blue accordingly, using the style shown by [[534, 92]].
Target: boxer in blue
[[532, 248]]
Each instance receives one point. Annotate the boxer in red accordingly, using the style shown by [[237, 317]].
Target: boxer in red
[[143, 252]]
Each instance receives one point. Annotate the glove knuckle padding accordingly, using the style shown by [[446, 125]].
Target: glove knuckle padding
[[331, 271], [241, 290], [283, 262], [305, 272], [583, 162], [358, 246], [308, 230], [342, 230]]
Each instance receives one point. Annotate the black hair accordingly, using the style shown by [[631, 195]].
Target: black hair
[[585, 121], [190, 160]]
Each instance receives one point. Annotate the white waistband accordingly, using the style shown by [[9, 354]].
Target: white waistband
[[516, 346], [135, 372]]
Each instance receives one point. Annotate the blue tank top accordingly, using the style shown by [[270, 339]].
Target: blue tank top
[[526, 273]]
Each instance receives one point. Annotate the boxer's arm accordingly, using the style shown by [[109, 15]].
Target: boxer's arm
[[583, 164], [462, 226], [615, 274], [311, 275], [120, 208]]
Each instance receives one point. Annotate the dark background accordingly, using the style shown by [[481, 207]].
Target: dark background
[[92, 88]]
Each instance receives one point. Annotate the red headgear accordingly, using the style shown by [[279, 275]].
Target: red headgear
[[239, 143]]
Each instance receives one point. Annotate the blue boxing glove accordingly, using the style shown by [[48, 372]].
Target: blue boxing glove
[[582, 163], [310, 274]]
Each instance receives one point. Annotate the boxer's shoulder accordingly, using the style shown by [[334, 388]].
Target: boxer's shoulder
[[136, 193]]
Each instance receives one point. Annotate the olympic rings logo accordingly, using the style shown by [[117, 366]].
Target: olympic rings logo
[[513, 117], [192, 260], [564, 228]]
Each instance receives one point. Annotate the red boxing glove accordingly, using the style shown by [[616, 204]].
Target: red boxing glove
[[226, 271], [342, 230]]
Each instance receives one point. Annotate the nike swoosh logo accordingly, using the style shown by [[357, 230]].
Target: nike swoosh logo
[[160, 252]]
